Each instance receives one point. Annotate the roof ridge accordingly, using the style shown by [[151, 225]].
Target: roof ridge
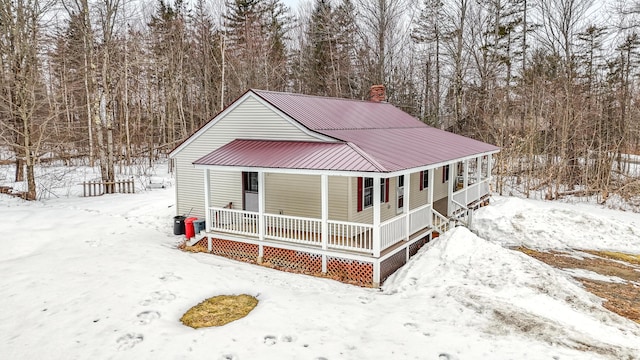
[[362, 153], [288, 140], [377, 128], [320, 96]]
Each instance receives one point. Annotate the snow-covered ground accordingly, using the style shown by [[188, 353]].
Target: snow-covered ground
[[100, 278]]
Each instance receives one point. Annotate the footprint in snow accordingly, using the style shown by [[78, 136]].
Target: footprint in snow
[[229, 357], [159, 297], [146, 317], [169, 276], [128, 341], [287, 338], [411, 326], [444, 356], [270, 340], [364, 300], [94, 242]]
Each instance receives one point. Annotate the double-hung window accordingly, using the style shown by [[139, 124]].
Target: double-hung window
[[367, 192], [424, 178]]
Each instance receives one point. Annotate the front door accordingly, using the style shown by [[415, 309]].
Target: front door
[[250, 191]]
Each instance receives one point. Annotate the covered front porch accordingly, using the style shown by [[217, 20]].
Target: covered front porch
[[389, 214]]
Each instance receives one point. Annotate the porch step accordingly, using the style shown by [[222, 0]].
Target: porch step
[[196, 238]]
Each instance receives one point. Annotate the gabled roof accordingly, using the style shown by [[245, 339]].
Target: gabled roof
[[370, 137]]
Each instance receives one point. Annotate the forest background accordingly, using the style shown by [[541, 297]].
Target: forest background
[[112, 82]]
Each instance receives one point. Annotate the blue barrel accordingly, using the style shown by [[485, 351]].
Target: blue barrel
[[198, 225]]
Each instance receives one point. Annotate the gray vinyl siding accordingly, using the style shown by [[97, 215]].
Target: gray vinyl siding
[[387, 210], [439, 188], [417, 198], [248, 120], [300, 195]]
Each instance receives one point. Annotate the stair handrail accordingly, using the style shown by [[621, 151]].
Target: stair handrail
[[440, 222]]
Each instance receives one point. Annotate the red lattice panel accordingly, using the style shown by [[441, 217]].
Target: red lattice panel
[[350, 271], [234, 249], [292, 260], [202, 243], [391, 264], [413, 248]]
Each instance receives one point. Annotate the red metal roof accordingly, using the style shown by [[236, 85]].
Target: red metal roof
[[405, 148], [325, 113], [375, 137], [290, 155]]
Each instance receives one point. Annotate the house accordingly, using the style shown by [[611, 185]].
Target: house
[[346, 188]]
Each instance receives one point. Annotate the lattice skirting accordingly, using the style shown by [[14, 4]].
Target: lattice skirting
[[350, 271], [413, 248], [292, 260], [234, 249], [341, 269], [391, 264], [202, 243]]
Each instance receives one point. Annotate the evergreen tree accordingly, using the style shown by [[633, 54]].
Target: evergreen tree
[[255, 32]]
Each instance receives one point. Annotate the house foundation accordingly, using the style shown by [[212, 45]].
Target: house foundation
[[341, 267]]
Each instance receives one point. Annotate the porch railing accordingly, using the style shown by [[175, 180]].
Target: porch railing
[[350, 236], [419, 218], [293, 229], [472, 192], [392, 231], [234, 221], [440, 222], [341, 235]]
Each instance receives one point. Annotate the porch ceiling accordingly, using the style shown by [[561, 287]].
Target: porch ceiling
[[337, 156]]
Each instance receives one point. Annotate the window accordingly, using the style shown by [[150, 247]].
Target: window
[[484, 173], [424, 179], [250, 181], [400, 193], [367, 192], [445, 173]]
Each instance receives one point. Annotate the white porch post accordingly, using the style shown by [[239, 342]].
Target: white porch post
[[377, 241], [449, 190], [324, 190], [261, 197], [207, 211], [479, 169], [207, 201], [465, 181], [431, 175], [405, 208], [489, 158]]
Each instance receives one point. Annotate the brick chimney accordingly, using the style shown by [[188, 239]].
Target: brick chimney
[[376, 93]]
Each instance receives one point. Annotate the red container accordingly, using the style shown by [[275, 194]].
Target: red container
[[189, 232]]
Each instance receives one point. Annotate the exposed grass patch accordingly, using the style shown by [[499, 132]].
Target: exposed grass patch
[[621, 298], [629, 258], [600, 265], [219, 310]]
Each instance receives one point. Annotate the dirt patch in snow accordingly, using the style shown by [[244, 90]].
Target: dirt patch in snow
[[622, 297]]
